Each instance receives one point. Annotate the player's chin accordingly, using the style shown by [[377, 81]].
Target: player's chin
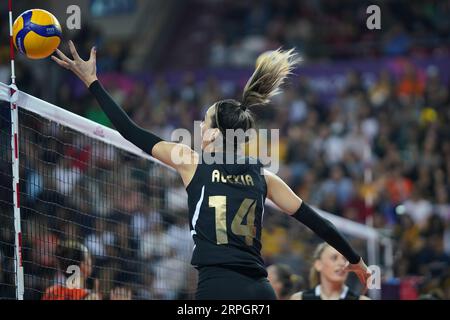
[[339, 277]]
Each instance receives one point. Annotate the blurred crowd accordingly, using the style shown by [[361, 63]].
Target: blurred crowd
[[232, 33], [377, 153]]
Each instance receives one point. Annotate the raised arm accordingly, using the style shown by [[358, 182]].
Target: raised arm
[[283, 196], [126, 127], [144, 139]]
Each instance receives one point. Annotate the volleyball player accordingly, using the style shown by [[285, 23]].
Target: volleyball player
[[283, 281], [226, 201], [327, 277]]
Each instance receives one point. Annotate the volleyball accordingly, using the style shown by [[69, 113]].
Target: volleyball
[[36, 33]]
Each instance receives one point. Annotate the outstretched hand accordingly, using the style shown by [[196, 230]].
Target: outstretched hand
[[361, 271], [85, 70]]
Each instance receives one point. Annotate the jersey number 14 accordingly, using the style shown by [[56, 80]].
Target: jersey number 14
[[247, 208]]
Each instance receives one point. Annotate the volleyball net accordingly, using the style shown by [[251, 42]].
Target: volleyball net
[[81, 183]]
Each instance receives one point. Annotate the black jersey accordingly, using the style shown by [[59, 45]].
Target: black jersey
[[314, 294], [226, 208]]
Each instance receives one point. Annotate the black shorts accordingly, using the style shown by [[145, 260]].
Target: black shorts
[[223, 283]]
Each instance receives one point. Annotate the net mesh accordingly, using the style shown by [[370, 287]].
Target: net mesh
[[7, 282], [78, 190]]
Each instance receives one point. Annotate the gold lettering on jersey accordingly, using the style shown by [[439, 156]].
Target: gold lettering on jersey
[[245, 180], [215, 176]]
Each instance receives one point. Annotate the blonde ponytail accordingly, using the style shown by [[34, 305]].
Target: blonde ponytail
[[272, 68]]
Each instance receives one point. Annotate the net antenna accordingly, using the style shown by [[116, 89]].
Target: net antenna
[[13, 92]]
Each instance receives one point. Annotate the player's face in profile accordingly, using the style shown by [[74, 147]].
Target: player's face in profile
[[331, 265], [208, 134]]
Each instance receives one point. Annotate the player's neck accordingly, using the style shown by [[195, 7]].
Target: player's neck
[[212, 148], [330, 290]]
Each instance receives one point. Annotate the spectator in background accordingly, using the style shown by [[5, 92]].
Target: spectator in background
[[170, 274], [43, 240], [283, 281], [431, 260], [327, 277], [180, 237], [339, 185], [120, 293], [274, 236], [218, 55], [35, 180], [154, 243], [99, 241], [146, 289], [397, 41], [69, 254], [397, 186], [442, 206], [66, 176], [446, 287], [410, 85], [418, 208], [407, 233], [381, 91], [144, 219]]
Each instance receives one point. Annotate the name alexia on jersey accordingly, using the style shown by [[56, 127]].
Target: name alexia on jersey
[[219, 177]]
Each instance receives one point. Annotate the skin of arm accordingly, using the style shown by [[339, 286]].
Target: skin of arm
[[281, 194]]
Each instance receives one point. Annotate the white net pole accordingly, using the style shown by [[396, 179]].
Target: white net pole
[[15, 168]]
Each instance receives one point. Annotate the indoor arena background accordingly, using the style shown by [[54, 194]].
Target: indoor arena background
[[165, 62]]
